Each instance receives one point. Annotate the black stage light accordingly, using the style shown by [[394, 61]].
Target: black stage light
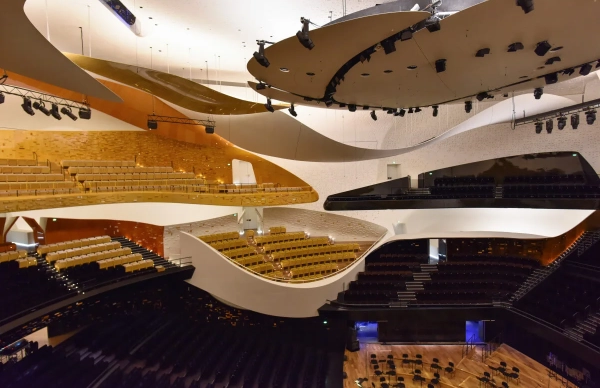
[[397, 113], [482, 96], [26, 105], [598, 64], [55, 113], [552, 60], [342, 105], [268, 106], [391, 111], [482, 52], [542, 48], [328, 103], [210, 129], [551, 78], [389, 46], [440, 65], [417, 110], [402, 112], [2, 98], [585, 69], [538, 92], [41, 107], [406, 35], [513, 47], [590, 117], [67, 112], [575, 121], [468, 106], [568, 71], [538, 127], [85, 114], [260, 55], [352, 107], [292, 110], [549, 125], [435, 110], [365, 57], [261, 86], [303, 36], [373, 115], [562, 122], [152, 125], [526, 5], [410, 110], [366, 107], [435, 26]]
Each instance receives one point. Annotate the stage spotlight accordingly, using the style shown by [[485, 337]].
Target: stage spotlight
[[373, 115], [260, 54], [515, 47], [67, 112], [550, 61], [417, 110], [366, 107], [435, 26], [389, 46], [482, 96], [391, 111], [562, 122], [468, 106], [85, 114], [551, 78], [435, 110], [268, 106], [261, 86], [440, 65], [590, 117], [568, 71], [598, 64], [410, 110], [482, 52], [538, 127], [26, 105], [542, 48], [352, 107], [303, 36], [292, 110], [526, 5], [585, 69], [402, 112], [538, 92], [342, 105], [2, 98], [41, 107], [549, 125], [55, 113], [575, 121], [152, 125], [209, 129], [328, 103], [406, 35]]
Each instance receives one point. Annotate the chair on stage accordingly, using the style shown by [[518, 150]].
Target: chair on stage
[[435, 365], [417, 376], [449, 369], [418, 362], [383, 382], [505, 384]]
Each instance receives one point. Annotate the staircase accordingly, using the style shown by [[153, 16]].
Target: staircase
[[498, 192], [146, 254], [538, 275], [418, 192], [589, 325], [406, 297], [52, 272], [428, 269]]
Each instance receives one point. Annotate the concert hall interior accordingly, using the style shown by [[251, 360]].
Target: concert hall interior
[[298, 194]]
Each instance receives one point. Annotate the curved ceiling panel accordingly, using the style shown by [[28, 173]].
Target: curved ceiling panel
[[27, 52], [180, 91], [334, 45], [282, 136]]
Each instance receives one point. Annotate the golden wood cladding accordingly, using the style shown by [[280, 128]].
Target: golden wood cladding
[[212, 161], [177, 90], [15, 204]]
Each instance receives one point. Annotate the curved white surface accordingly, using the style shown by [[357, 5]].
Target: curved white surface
[[27, 52], [280, 135], [218, 276]]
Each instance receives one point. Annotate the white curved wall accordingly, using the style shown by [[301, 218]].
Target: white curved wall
[[218, 276]]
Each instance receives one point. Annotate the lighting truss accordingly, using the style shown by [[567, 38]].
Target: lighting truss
[[583, 107], [181, 120], [37, 96]]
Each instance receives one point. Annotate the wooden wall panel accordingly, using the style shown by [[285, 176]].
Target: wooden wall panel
[[147, 235], [187, 145], [39, 236]]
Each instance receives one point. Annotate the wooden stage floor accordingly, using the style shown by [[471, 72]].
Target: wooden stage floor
[[467, 369]]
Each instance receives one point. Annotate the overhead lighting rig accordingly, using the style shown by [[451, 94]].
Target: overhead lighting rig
[[303, 35], [260, 54], [153, 121], [538, 92], [269, 106], [589, 108], [292, 110]]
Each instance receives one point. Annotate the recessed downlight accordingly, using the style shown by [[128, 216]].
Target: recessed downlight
[[284, 69], [365, 74], [523, 77], [541, 67], [310, 73], [411, 67], [388, 71], [557, 48]]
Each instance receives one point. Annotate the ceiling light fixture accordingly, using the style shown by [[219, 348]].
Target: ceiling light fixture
[[352, 107], [41, 107], [550, 61], [549, 125], [292, 110], [435, 110], [26, 105], [402, 112], [260, 54], [410, 110], [468, 106], [417, 110], [551, 78], [303, 36], [261, 86], [575, 121], [440, 65], [373, 115], [482, 52], [538, 92], [268, 106], [585, 69], [55, 113], [2, 98], [590, 117], [85, 114], [152, 125], [542, 48], [562, 122], [389, 45], [514, 47], [538, 127], [526, 5], [67, 112]]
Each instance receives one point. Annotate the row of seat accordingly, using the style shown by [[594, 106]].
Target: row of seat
[[97, 163], [249, 260], [116, 170], [262, 268], [463, 181], [27, 262], [12, 255], [314, 271], [43, 249], [328, 249], [277, 229], [544, 179], [319, 259], [210, 238], [90, 184], [109, 263], [18, 162], [230, 244], [24, 169], [72, 252], [240, 252], [26, 193], [31, 177], [37, 185], [309, 242], [135, 176], [277, 238], [90, 258], [138, 265]]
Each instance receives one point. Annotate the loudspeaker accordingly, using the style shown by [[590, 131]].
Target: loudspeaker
[[353, 346], [210, 130]]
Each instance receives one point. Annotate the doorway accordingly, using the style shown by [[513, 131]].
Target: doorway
[[366, 331], [474, 331], [393, 171]]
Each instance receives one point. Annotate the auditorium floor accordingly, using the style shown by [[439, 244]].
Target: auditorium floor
[[467, 369]]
